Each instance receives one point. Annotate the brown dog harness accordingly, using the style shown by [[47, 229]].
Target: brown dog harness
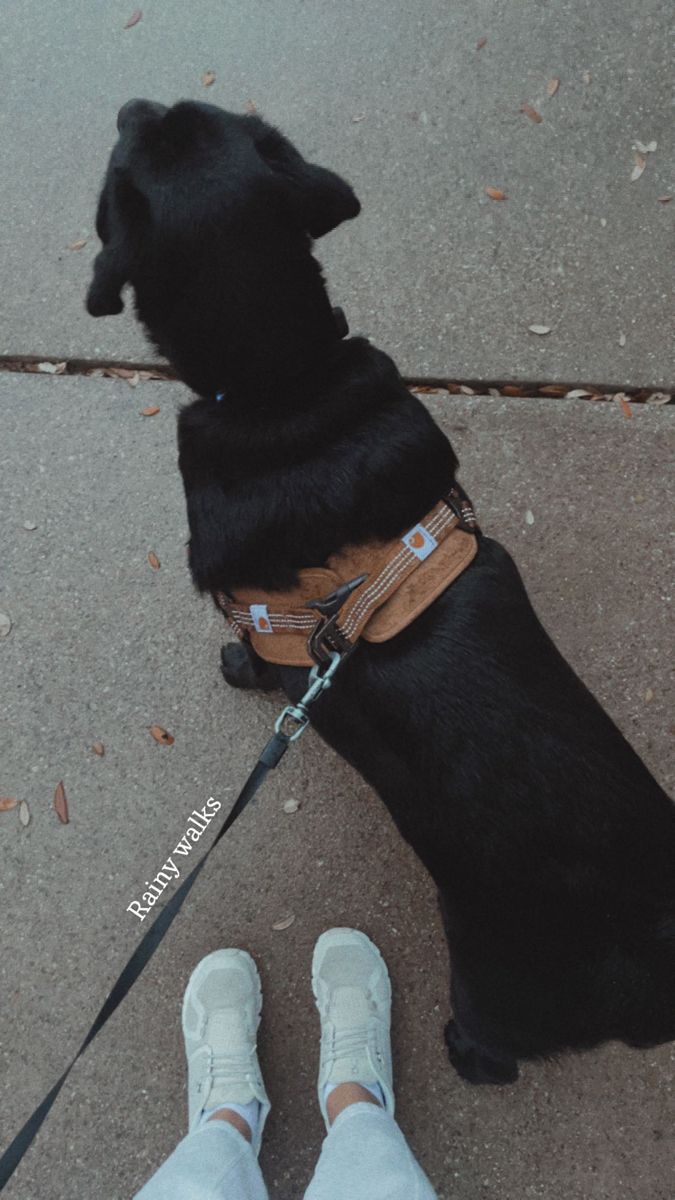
[[375, 590]]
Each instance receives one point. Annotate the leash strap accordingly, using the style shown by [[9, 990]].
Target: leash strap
[[270, 758]]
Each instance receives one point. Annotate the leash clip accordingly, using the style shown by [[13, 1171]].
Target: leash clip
[[296, 714], [327, 637]]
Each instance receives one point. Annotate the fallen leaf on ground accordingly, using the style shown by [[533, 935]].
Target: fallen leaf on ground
[[640, 164], [208, 78], [553, 389], [134, 19], [665, 199], [5, 624], [151, 410], [552, 87], [50, 368], [649, 148], [7, 802], [529, 517], [154, 561], [133, 380], [99, 749], [658, 398], [360, 117], [649, 695], [622, 339], [587, 77], [539, 329], [512, 389], [480, 43], [494, 392], [250, 107], [284, 923], [61, 803], [495, 193], [576, 394], [121, 372], [532, 113], [161, 735], [79, 245], [626, 409], [466, 391], [30, 525], [24, 813], [291, 806]]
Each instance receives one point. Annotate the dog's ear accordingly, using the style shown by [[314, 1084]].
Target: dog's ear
[[121, 220], [319, 198]]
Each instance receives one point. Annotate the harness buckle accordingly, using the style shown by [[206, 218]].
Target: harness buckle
[[458, 502], [327, 638]]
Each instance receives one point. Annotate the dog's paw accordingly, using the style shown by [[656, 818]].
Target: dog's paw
[[243, 669], [473, 1064]]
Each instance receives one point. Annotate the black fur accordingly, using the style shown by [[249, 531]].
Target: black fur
[[550, 843]]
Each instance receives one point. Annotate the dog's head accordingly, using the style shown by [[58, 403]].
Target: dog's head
[[193, 190]]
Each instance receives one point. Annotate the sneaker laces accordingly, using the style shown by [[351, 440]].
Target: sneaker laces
[[227, 1066], [345, 1042]]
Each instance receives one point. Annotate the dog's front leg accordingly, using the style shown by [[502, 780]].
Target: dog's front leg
[[243, 668]]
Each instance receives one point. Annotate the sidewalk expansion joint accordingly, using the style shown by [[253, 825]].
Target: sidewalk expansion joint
[[134, 373]]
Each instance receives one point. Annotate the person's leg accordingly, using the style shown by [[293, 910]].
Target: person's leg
[[365, 1156], [227, 1101]]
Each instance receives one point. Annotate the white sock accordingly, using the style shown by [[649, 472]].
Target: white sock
[[249, 1112], [374, 1089]]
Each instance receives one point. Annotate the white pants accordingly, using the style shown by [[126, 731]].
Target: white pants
[[364, 1157]]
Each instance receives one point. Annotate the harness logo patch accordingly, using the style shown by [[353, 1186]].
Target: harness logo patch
[[261, 618], [420, 541]]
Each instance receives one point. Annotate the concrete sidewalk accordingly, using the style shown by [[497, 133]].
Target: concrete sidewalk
[[400, 100], [102, 647]]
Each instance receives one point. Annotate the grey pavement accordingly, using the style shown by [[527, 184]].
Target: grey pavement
[[102, 646], [397, 97]]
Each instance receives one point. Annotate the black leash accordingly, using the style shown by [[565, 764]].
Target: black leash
[[270, 758]]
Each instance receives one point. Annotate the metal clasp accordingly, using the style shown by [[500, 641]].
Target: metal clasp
[[297, 714], [328, 637]]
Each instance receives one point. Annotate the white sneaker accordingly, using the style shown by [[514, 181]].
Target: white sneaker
[[353, 995], [221, 1015]]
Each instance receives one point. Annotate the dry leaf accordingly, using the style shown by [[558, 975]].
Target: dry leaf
[[151, 410], [495, 193], [640, 164], [553, 389], [649, 695], [99, 749], [622, 339], [529, 517], [512, 389], [284, 923], [154, 561], [495, 392], [480, 43], [134, 19], [161, 735], [625, 405], [539, 329], [133, 379], [208, 78], [587, 77], [360, 117], [576, 394], [658, 398], [250, 107], [552, 87], [61, 804], [649, 148], [120, 372], [291, 806], [7, 802], [466, 391], [50, 368], [5, 624], [532, 113], [79, 245], [30, 525], [664, 199], [24, 813]]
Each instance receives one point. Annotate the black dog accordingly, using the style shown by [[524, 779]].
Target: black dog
[[551, 845]]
